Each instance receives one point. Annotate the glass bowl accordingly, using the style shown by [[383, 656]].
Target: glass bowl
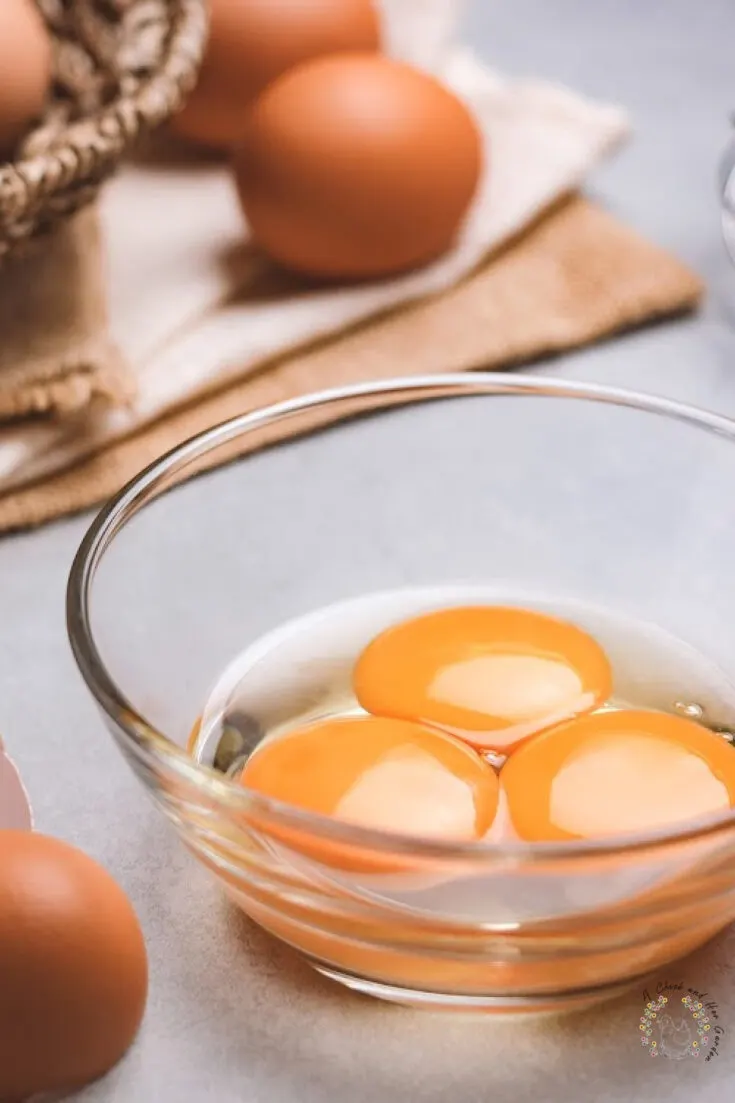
[[571, 492]]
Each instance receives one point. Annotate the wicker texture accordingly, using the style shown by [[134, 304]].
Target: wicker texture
[[122, 67]]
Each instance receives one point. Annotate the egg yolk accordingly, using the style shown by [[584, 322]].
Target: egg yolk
[[379, 773], [615, 772], [491, 675]]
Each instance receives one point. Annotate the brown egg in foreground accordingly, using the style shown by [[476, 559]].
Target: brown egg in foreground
[[25, 70], [357, 166], [252, 42], [73, 967]]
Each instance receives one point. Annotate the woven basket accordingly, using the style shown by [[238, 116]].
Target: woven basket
[[122, 67]]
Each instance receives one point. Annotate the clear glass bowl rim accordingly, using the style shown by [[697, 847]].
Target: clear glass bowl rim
[[155, 751]]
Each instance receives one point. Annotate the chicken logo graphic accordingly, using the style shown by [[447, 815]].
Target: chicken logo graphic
[[675, 1029]]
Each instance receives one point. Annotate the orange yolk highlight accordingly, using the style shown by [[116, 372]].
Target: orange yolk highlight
[[379, 773], [491, 675], [617, 772]]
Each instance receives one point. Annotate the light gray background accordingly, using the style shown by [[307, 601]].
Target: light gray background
[[231, 1017]]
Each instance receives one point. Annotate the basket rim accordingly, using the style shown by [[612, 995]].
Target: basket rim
[[90, 148]]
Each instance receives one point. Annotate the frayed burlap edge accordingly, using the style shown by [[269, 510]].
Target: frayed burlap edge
[[95, 371], [55, 354]]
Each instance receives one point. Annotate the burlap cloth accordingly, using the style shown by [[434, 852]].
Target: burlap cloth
[[574, 276], [56, 354]]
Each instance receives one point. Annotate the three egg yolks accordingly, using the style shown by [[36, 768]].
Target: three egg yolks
[[445, 686]]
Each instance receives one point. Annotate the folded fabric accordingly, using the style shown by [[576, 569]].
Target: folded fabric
[[176, 248], [575, 276], [541, 143]]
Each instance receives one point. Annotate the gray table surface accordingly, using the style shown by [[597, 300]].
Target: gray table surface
[[231, 1017]]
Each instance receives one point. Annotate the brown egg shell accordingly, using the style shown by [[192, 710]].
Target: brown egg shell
[[25, 71], [253, 42]]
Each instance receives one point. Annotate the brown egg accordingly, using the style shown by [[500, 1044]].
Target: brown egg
[[357, 166], [252, 42], [73, 967], [25, 70]]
